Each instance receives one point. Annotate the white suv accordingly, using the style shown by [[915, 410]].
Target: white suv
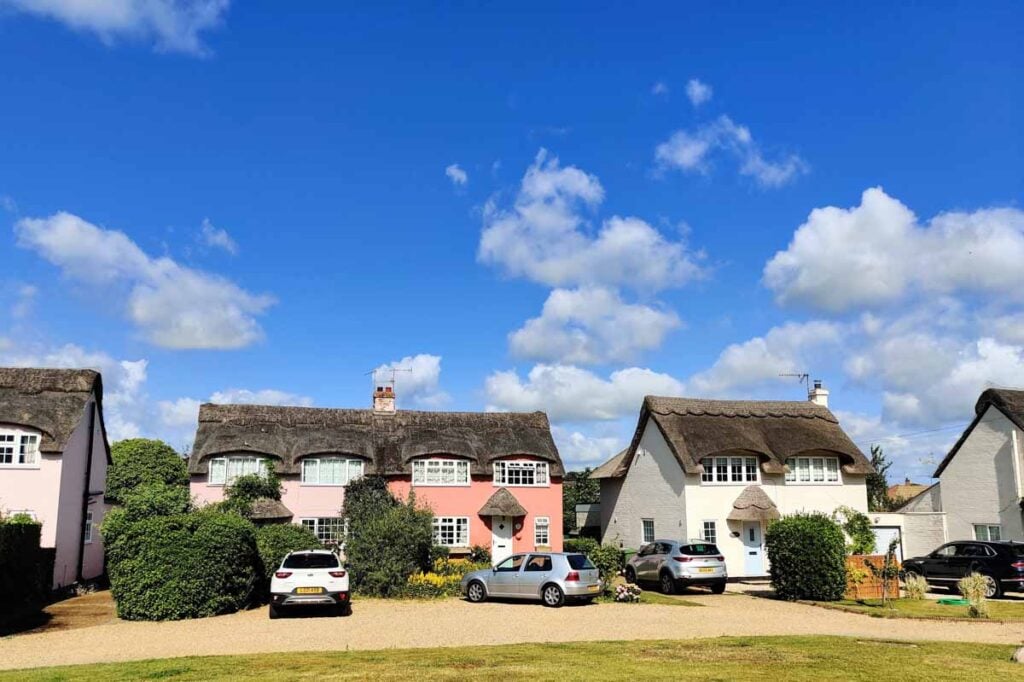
[[312, 577]]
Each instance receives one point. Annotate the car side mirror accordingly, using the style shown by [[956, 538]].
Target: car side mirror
[[494, 569]]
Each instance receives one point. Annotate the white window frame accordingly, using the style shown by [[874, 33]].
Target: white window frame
[[455, 526], [10, 513], [223, 461], [541, 473], [16, 440], [803, 471], [320, 525], [87, 532], [421, 470], [541, 531], [986, 531], [731, 470], [318, 460], [709, 525], [643, 531]]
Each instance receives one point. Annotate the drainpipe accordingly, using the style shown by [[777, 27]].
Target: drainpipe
[[85, 492]]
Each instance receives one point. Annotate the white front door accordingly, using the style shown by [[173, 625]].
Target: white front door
[[501, 538], [753, 563]]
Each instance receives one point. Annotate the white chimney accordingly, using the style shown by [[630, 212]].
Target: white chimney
[[384, 400], [818, 395]]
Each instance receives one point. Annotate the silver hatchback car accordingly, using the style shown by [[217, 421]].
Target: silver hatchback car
[[673, 564], [551, 577]]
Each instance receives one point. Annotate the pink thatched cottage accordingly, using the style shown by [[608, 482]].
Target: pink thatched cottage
[[491, 479]]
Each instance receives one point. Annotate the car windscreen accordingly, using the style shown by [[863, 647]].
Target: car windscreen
[[579, 562], [311, 561], [699, 549]]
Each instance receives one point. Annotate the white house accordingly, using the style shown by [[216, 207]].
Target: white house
[[719, 470], [981, 480]]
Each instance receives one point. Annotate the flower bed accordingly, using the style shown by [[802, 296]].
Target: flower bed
[[442, 581]]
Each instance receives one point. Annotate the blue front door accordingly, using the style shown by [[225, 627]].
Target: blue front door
[[753, 559]]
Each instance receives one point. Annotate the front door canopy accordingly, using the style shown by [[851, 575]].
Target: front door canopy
[[502, 503]]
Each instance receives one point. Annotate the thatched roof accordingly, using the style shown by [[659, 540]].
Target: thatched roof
[[612, 468], [753, 504], [268, 509], [502, 503], [1008, 401], [774, 430], [387, 441], [51, 400]]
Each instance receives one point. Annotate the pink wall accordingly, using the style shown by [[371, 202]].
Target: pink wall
[[302, 500], [37, 490]]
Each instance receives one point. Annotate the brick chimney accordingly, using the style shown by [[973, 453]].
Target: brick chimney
[[818, 395], [384, 400]]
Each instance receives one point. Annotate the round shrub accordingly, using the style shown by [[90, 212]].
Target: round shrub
[[138, 461], [808, 557], [275, 541], [182, 566]]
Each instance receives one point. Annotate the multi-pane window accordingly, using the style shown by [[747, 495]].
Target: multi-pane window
[[710, 532], [730, 470], [988, 532], [521, 473], [330, 530], [811, 470], [440, 472], [330, 470], [647, 530], [541, 531], [224, 470], [451, 531], [18, 449], [87, 533]]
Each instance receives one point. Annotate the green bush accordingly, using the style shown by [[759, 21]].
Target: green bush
[[973, 588], [276, 540], [478, 554], [239, 496], [581, 545], [808, 557], [140, 461], [607, 558], [388, 540], [24, 577], [857, 527], [145, 501], [182, 566]]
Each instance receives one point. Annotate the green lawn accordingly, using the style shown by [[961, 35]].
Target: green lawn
[[732, 658], [927, 608]]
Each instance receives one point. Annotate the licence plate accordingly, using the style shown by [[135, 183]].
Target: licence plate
[[593, 588], [705, 570], [308, 590]]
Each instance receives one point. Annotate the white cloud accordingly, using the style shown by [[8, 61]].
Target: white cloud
[[591, 325], [691, 151], [174, 306], [266, 396], [698, 92], [8, 204], [545, 237], [789, 348], [417, 379], [878, 253], [179, 414], [566, 392], [25, 299], [579, 449], [218, 237], [659, 88], [172, 25], [458, 176]]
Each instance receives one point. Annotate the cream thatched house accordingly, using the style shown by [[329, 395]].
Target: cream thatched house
[[720, 470]]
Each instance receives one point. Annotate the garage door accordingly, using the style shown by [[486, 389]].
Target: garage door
[[883, 536]]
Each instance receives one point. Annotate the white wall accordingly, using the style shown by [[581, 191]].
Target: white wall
[[653, 488], [920, 532], [981, 483], [928, 501]]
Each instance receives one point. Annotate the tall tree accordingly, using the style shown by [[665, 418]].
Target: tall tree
[[878, 482], [577, 488]]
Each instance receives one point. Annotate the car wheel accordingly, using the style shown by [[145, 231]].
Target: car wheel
[[552, 595], [993, 590], [273, 612], [630, 574], [476, 592], [668, 583], [718, 588]]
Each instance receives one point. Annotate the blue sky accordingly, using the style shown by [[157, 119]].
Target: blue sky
[[557, 209]]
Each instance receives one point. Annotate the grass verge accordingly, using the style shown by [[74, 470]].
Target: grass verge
[[727, 658], [1001, 611]]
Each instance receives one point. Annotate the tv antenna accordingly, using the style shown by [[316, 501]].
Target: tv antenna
[[802, 377], [388, 382]]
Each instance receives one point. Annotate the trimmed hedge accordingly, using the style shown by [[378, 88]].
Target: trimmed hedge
[[182, 566], [26, 571], [141, 461], [808, 557]]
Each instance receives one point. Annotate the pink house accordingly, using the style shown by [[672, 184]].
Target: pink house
[[491, 479], [53, 462]]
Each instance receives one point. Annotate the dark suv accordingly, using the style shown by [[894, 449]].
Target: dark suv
[[1002, 564]]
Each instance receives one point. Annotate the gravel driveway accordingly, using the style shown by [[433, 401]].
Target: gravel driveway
[[378, 624]]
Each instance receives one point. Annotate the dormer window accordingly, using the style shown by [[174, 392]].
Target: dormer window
[[330, 470], [524, 473], [437, 471], [812, 471], [730, 470], [19, 449], [224, 470]]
